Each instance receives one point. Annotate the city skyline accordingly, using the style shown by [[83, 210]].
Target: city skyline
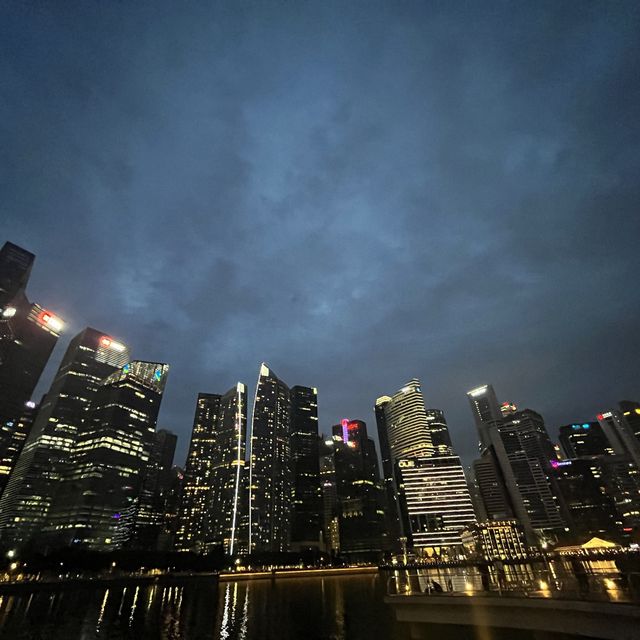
[[467, 450], [96, 473]]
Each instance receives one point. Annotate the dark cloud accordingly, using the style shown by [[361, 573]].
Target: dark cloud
[[356, 193]]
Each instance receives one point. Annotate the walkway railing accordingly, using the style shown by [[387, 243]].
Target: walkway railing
[[601, 587]]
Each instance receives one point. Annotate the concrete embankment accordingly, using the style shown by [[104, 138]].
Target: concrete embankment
[[295, 573], [602, 620], [58, 584]]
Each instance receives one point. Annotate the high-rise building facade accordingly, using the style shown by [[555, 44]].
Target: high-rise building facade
[[214, 499], [15, 268], [156, 484], [193, 530], [435, 503], [359, 492], [530, 453], [590, 510], [516, 450], [270, 472], [97, 504], [392, 508], [328, 483], [406, 422], [28, 334], [306, 524], [440, 438], [494, 500], [620, 434], [91, 356], [631, 412], [495, 540], [228, 524], [408, 430], [13, 435], [584, 439]]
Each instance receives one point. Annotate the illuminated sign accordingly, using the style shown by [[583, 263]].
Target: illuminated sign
[[9, 312], [345, 430], [406, 463], [52, 322], [109, 343], [560, 463]]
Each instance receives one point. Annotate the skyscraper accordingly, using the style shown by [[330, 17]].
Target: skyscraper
[[392, 508], [530, 453], [589, 510], [228, 473], [270, 472], [359, 492], [197, 494], [91, 356], [98, 501], [13, 435], [306, 514], [489, 481], [15, 268], [330, 527], [214, 501], [620, 434], [156, 484], [406, 422], [631, 412], [516, 450], [440, 438], [409, 431], [28, 334], [435, 502], [584, 439]]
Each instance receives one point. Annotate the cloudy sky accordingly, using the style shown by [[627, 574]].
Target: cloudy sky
[[355, 192]]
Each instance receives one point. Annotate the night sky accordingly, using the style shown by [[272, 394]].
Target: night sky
[[356, 193]]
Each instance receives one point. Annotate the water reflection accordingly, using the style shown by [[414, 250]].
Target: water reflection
[[331, 608]]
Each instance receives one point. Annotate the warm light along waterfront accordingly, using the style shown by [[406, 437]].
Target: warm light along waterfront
[[347, 607]]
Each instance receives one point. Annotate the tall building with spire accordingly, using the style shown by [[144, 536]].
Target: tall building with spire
[[270, 465], [214, 499], [228, 473], [90, 357], [97, 504]]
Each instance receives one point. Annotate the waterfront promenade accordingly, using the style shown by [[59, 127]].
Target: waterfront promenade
[[604, 606]]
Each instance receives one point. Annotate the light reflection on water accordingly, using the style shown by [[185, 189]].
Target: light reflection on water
[[327, 608]]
